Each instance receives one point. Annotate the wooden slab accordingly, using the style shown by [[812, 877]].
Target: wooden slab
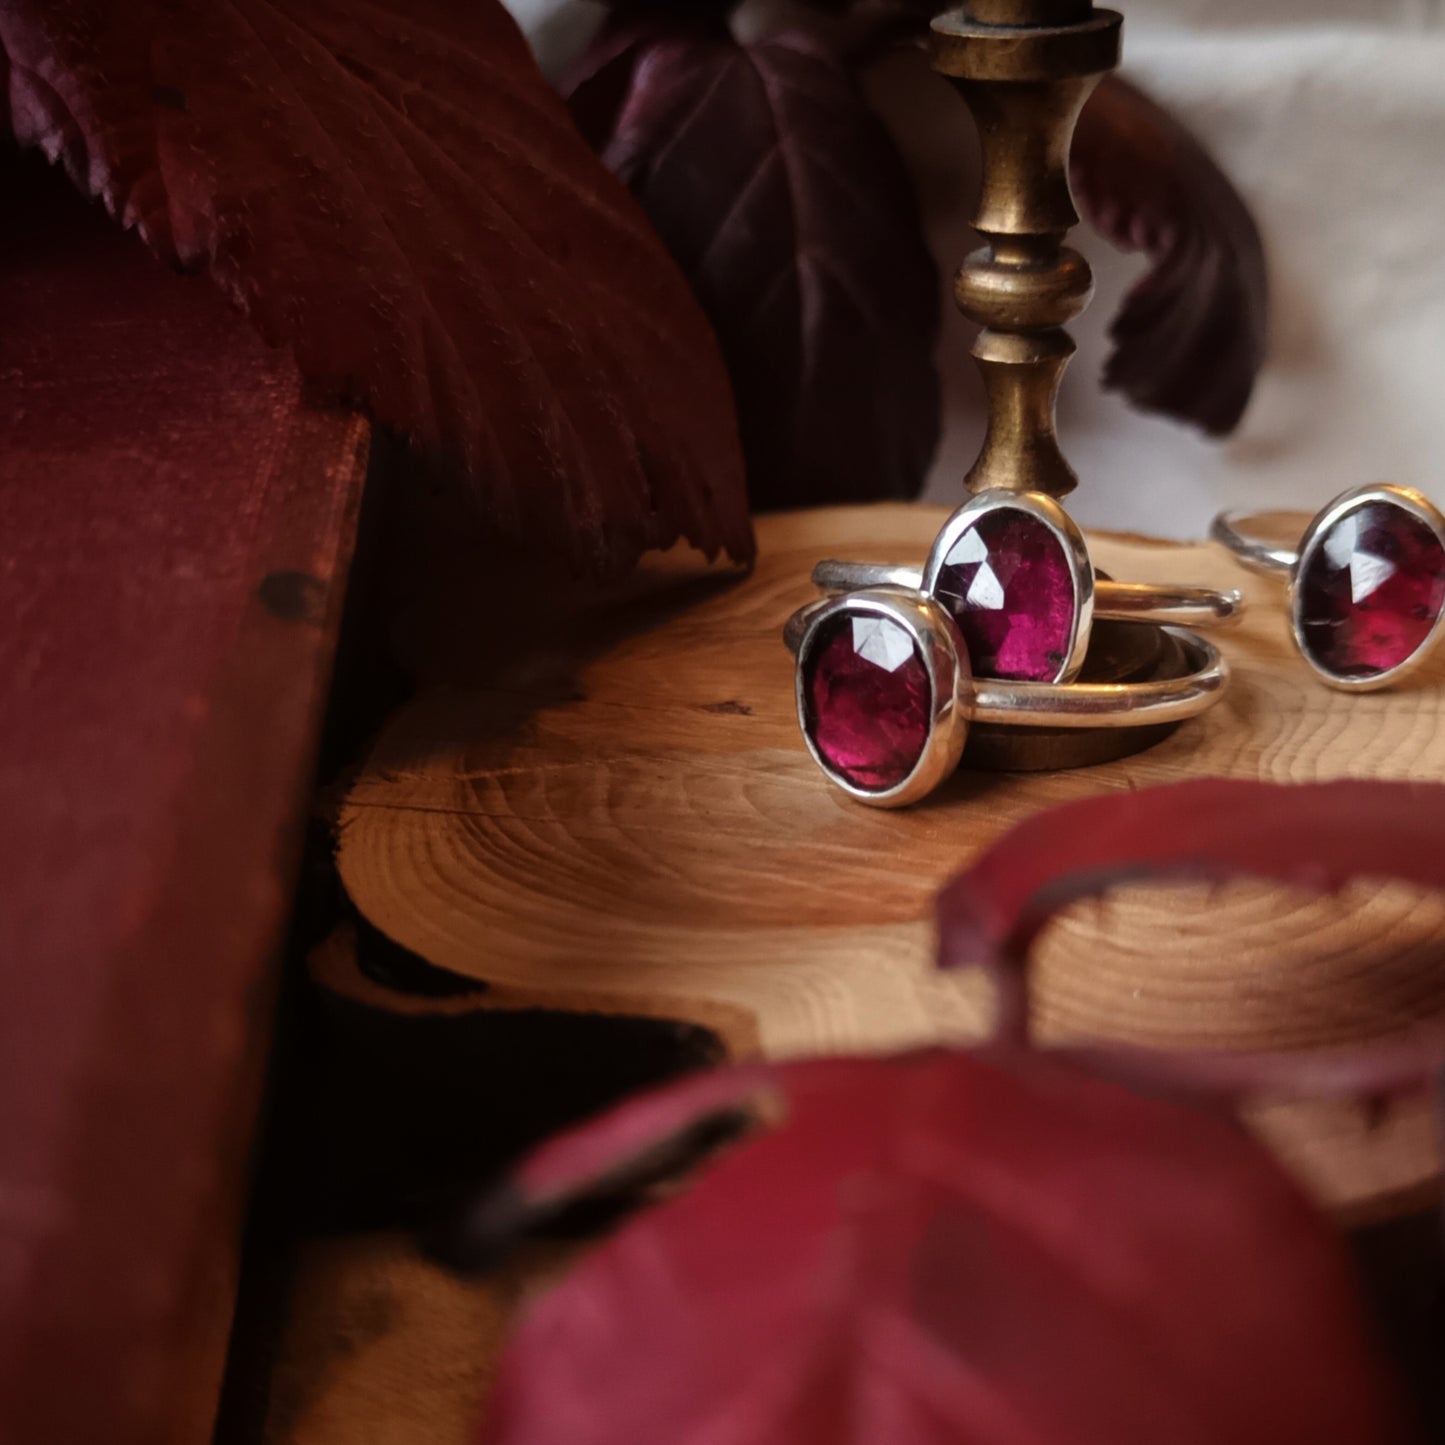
[[175, 528], [610, 800], [382, 1347]]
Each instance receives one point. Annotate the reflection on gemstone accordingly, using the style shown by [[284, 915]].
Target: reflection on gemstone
[[868, 700], [1369, 591], [1010, 586]]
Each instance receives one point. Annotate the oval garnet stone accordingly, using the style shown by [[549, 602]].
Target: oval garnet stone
[[1008, 582], [868, 700], [1370, 589]]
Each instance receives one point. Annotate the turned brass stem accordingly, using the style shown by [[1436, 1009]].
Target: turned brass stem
[[1025, 68]]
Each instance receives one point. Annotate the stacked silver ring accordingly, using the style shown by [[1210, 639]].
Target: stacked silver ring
[[889, 663]]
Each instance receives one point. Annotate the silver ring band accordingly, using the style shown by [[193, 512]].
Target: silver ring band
[[1071, 704], [885, 694], [1250, 551], [1113, 601], [1013, 570], [1109, 704]]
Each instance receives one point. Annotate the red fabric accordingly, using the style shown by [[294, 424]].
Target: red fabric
[[158, 707]]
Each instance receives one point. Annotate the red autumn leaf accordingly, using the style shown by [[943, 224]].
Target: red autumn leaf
[[616, 1162], [1191, 337], [789, 209], [944, 1247], [621, 1146], [1314, 835], [391, 188]]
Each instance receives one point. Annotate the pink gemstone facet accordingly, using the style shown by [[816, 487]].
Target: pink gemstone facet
[[868, 701], [1369, 591], [1008, 582]]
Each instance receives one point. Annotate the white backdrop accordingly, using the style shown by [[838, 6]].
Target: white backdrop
[[1329, 115]]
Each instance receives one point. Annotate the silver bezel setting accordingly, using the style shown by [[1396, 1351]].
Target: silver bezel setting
[[934, 634], [1043, 509], [1408, 500]]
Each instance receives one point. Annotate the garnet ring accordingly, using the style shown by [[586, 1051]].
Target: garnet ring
[[1014, 572], [885, 692], [1366, 584]]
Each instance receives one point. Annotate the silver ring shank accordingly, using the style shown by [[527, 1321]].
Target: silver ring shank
[[1114, 601], [799, 622], [1249, 551], [836, 577], [1107, 704], [1081, 704]]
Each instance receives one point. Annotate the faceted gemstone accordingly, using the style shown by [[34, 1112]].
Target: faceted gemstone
[[868, 700], [1008, 583], [1369, 591]]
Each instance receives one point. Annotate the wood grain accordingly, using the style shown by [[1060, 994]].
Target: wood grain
[[175, 528], [382, 1347], [581, 804]]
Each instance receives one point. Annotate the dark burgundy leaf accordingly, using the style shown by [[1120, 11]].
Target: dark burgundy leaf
[[1314, 835], [391, 188], [1191, 337], [948, 1247], [788, 207]]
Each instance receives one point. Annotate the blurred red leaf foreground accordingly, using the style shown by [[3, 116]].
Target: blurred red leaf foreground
[[392, 189], [1002, 1246], [943, 1248]]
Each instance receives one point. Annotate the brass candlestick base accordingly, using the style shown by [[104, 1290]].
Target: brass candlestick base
[[1025, 68]]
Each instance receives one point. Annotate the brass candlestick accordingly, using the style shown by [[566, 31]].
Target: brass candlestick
[[1025, 68]]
